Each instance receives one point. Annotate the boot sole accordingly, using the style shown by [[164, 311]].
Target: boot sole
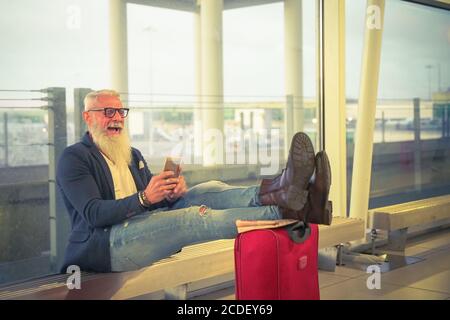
[[328, 213], [302, 152], [296, 198], [326, 218], [324, 169]]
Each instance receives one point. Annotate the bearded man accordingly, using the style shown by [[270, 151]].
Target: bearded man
[[124, 218]]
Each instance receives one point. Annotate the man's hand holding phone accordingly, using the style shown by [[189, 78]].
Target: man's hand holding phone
[[173, 165], [179, 191], [160, 186]]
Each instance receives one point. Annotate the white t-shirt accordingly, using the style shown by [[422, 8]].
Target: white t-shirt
[[124, 185]]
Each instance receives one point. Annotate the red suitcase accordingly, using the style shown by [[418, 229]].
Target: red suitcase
[[277, 264]]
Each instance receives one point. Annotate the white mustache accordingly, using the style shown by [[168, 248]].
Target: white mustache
[[115, 125]]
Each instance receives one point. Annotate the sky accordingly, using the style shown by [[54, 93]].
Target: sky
[[414, 37], [65, 43]]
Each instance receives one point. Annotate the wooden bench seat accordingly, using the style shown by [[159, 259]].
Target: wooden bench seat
[[397, 218], [408, 214], [193, 263]]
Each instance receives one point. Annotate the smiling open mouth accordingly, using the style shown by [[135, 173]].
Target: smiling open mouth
[[114, 129]]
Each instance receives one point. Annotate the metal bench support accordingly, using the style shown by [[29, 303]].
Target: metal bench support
[[176, 293]]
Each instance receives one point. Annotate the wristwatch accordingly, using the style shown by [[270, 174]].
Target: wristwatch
[[143, 199]]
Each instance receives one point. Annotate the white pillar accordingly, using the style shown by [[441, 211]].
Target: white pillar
[[198, 136], [288, 123], [362, 162], [293, 56], [333, 97], [212, 78], [118, 45]]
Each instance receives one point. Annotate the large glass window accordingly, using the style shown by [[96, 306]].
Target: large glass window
[[161, 80], [410, 158], [65, 44], [265, 86], [46, 43], [254, 82]]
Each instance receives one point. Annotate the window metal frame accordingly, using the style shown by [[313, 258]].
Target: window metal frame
[[431, 3]]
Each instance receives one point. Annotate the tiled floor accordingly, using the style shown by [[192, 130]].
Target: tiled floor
[[427, 279]]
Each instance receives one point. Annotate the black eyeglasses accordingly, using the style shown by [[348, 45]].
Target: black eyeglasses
[[110, 112]]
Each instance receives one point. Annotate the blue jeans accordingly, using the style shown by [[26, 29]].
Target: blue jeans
[[207, 212]]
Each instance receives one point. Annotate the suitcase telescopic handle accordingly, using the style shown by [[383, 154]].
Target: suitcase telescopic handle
[[299, 232]]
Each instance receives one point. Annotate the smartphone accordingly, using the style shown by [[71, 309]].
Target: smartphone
[[173, 164]]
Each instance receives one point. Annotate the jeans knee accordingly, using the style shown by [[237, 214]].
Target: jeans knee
[[215, 185], [203, 210], [200, 210], [208, 186]]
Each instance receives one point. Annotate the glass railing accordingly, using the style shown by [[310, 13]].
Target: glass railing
[[158, 126], [162, 126], [411, 150], [394, 120], [24, 184], [23, 128]]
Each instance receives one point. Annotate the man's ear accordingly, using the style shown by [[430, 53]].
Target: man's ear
[[86, 117]]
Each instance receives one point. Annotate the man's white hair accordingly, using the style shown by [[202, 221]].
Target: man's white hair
[[91, 97]]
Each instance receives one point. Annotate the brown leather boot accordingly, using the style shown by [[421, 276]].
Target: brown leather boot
[[318, 209], [289, 189], [307, 214]]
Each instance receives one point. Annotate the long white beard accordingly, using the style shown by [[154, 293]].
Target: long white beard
[[116, 148]]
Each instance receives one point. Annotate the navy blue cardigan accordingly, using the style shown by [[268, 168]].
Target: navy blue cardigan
[[85, 182]]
